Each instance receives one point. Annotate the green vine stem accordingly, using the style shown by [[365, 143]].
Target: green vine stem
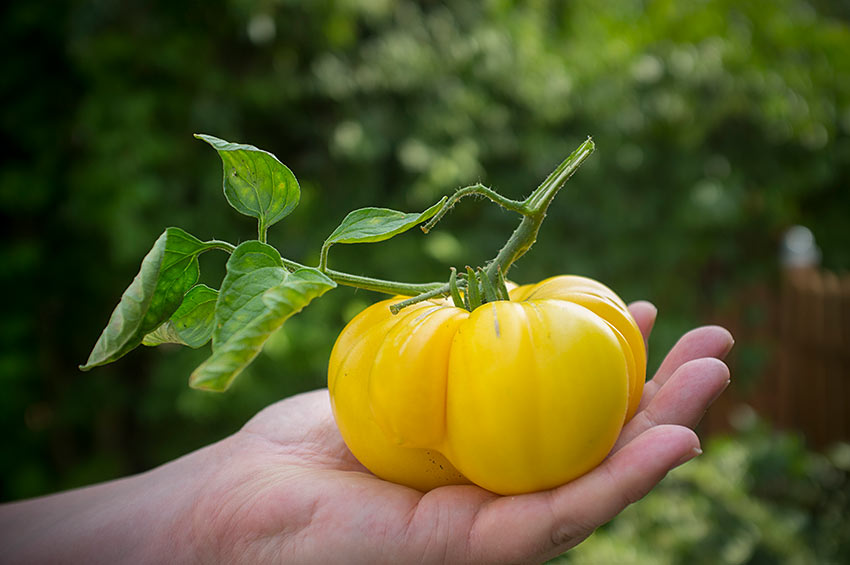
[[380, 285], [323, 258], [491, 278], [534, 212], [480, 190], [440, 291], [223, 245], [357, 281]]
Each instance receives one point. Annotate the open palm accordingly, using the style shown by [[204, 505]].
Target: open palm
[[286, 489]]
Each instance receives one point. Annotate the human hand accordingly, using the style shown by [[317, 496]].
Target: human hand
[[286, 488]]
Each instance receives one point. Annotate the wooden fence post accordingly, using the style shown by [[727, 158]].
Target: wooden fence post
[[806, 385]]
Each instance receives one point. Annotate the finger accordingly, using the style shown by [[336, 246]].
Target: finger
[[545, 524], [683, 399], [644, 314], [707, 341]]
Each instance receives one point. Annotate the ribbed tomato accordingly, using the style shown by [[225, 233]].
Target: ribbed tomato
[[516, 396]]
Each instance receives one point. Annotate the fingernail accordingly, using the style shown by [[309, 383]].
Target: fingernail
[[730, 346], [721, 391], [689, 455]]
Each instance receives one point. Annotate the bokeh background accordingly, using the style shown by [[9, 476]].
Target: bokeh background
[[719, 126]]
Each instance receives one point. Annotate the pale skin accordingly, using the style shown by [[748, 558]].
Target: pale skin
[[286, 489]]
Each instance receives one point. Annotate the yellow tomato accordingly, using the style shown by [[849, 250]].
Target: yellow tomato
[[516, 396]]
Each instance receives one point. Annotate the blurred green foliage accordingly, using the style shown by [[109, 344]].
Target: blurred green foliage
[[757, 498], [718, 125]]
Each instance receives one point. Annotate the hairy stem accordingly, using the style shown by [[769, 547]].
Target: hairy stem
[[369, 283], [440, 291], [356, 281], [480, 190], [223, 245], [535, 207], [539, 200]]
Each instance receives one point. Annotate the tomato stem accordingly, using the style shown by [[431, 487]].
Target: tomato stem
[[379, 285], [502, 286], [480, 190], [539, 200], [535, 207], [488, 283], [223, 245], [440, 291], [356, 281]]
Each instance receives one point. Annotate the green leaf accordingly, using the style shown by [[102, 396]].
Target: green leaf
[[168, 270], [193, 322], [252, 269], [299, 288], [370, 225], [255, 182], [262, 314]]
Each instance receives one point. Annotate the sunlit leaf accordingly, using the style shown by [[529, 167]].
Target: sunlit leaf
[[168, 270], [193, 322], [369, 225], [255, 182]]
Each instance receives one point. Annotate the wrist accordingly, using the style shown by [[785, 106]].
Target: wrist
[[138, 519], [167, 499]]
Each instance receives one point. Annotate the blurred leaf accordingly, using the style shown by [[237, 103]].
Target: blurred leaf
[[758, 497]]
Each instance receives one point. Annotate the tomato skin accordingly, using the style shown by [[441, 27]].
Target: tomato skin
[[516, 396], [350, 385]]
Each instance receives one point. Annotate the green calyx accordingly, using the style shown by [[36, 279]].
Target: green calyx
[[479, 289]]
